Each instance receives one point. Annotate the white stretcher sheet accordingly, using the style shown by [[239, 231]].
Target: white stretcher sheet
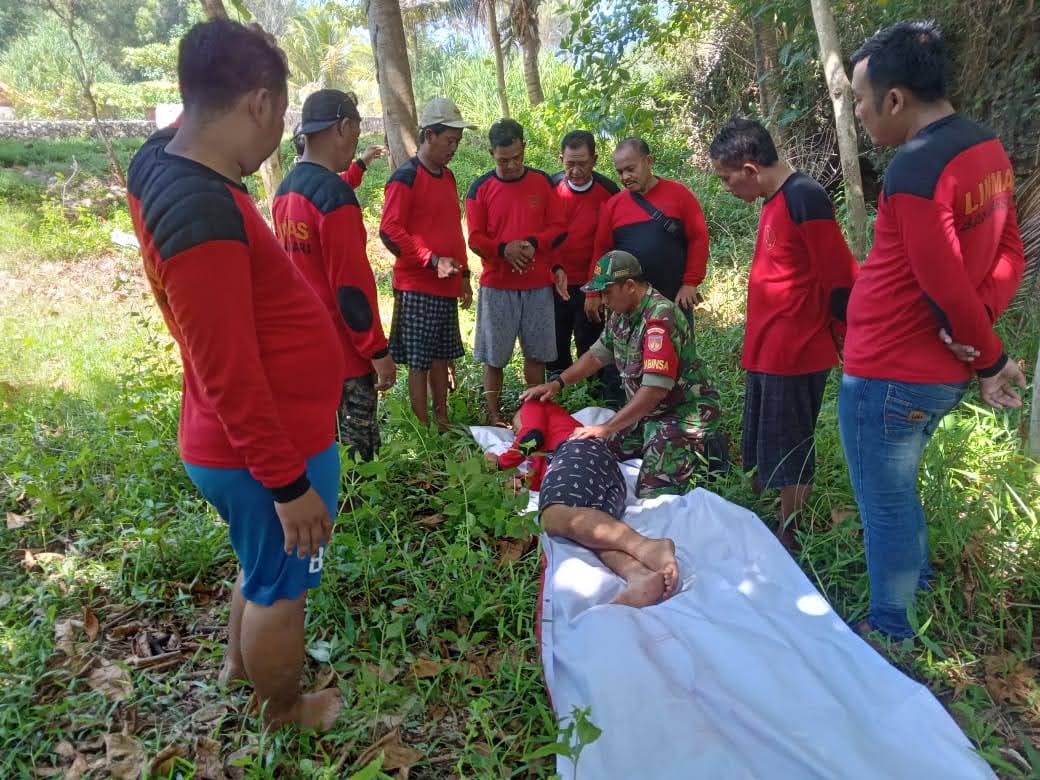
[[746, 673]]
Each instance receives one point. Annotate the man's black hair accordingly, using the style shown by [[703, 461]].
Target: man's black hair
[[504, 132], [220, 60], [907, 54], [437, 129], [743, 140], [636, 143], [576, 139]]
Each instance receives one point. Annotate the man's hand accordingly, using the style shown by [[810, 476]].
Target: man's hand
[[491, 460], [593, 303], [447, 266], [467, 294], [540, 392], [560, 280], [592, 432], [687, 297], [997, 389], [372, 153], [961, 351], [519, 254], [386, 373], [305, 523]]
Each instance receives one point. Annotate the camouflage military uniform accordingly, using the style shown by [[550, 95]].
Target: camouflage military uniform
[[654, 346], [357, 425]]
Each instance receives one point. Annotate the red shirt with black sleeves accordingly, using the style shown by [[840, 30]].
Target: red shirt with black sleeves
[[499, 211], [544, 426], [355, 173], [947, 254], [262, 366], [318, 219], [669, 261], [422, 221], [801, 276], [581, 209]]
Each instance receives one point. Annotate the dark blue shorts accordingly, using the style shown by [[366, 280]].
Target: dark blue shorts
[[256, 532]]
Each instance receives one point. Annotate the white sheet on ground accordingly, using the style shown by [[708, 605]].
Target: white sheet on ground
[[746, 673]]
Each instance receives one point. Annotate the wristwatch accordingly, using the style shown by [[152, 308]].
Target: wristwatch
[[559, 378]]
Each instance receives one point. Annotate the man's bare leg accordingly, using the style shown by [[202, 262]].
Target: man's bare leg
[[439, 390], [600, 532], [534, 372], [493, 393], [234, 668], [642, 586], [417, 394], [793, 500], [273, 651]]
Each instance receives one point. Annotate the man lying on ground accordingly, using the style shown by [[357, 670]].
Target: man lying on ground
[[582, 498]]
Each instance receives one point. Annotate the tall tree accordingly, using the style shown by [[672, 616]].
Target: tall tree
[[841, 99], [522, 31], [496, 47], [394, 75], [768, 73]]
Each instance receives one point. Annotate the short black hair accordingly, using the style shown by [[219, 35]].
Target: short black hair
[[504, 132], [743, 140], [910, 55], [220, 60], [634, 142], [576, 139], [437, 129]]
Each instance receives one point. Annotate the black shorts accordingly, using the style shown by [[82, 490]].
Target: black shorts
[[779, 426], [584, 473], [425, 328]]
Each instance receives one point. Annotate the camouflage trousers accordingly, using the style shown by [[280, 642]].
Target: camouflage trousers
[[357, 426], [675, 448]]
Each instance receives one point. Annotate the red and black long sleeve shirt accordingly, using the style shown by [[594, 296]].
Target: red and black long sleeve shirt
[[581, 210], [544, 426], [319, 221], [947, 254], [801, 275], [262, 365]]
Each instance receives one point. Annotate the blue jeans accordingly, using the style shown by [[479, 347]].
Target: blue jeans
[[885, 427]]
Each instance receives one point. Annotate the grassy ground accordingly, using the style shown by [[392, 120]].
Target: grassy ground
[[426, 616]]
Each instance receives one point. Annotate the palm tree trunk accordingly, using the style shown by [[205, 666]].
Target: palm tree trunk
[[532, 78], [500, 66], [394, 76]]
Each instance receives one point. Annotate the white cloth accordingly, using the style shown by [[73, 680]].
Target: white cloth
[[746, 673]]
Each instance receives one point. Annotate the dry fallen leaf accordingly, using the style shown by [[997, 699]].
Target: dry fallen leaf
[[386, 674], [840, 514], [424, 668], [430, 521], [512, 550], [90, 624], [240, 755], [141, 646], [124, 756], [16, 521], [65, 632], [396, 754], [207, 760], [65, 750], [111, 680], [325, 676], [164, 760], [210, 713], [125, 630], [78, 769]]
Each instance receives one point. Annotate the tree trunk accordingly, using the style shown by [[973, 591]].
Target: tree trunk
[[500, 64], [214, 9], [848, 147], [769, 77], [532, 78], [394, 76]]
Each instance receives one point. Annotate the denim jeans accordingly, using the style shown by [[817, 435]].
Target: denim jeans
[[885, 427]]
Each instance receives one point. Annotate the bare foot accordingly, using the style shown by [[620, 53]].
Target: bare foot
[[443, 424], [317, 711], [231, 674], [642, 590], [659, 555]]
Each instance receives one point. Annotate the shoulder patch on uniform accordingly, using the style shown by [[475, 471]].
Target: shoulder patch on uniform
[[605, 183], [806, 199], [476, 185], [406, 172], [916, 168], [320, 186]]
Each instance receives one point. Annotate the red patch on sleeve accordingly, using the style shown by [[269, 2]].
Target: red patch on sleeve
[[659, 355]]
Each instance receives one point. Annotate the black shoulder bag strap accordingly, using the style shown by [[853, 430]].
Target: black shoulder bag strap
[[671, 226]]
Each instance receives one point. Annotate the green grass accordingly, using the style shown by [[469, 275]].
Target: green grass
[[89, 394]]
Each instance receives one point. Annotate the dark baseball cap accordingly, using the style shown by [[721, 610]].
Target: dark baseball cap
[[324, 108], [616, 265]]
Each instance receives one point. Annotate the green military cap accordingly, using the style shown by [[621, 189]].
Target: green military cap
[[616, 265]]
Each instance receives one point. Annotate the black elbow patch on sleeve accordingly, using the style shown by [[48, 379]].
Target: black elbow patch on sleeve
[[388, 242], [532, 241], [532, 441], [559, 239], [840, 302], [940, 315], [354, 308]]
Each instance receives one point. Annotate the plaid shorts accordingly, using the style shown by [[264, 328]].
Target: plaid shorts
[[779, 426], [424, 328]]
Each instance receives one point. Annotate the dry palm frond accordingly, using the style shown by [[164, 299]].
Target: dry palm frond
[[1027, 201]]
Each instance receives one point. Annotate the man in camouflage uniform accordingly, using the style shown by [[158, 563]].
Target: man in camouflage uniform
[[671, 416]]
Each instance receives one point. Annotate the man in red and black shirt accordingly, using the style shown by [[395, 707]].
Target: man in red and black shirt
[[514, 225], [946, 260], [581, 193], [318, 218], [422, 228], [262, 363], [657, 220], [801, 275]]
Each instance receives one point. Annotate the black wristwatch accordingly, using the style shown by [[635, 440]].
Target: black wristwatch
[[559, 378]]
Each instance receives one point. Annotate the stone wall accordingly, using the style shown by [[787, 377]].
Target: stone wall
[[55, 130]]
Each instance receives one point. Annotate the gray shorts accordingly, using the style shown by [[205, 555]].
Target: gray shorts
[[502, 315]]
